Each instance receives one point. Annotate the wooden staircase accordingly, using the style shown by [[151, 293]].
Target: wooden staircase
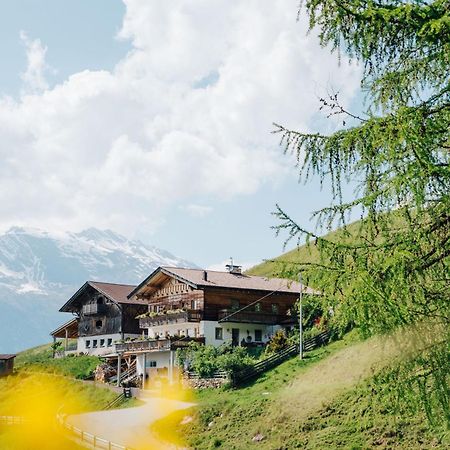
[[127, 376]]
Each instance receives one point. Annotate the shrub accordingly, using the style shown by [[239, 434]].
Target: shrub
[[205, 360], [235, 360], [278, 342]]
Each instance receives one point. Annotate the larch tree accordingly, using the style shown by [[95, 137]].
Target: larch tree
[[394, 270]]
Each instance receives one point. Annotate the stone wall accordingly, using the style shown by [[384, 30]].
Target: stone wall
[[203, 383]]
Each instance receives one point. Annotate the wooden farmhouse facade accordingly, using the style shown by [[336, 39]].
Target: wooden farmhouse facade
[[103, 314], [210, 307]]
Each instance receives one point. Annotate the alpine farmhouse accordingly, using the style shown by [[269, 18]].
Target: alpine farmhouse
[[140, 328]]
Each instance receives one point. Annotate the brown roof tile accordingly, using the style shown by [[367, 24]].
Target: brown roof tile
[[117, 292], [238, 281], [7, 356]]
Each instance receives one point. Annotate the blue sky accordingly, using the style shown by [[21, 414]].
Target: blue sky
[[80, 35], [154, 120]]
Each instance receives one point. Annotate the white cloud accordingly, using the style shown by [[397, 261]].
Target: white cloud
[[34, 76], [197, 210], [221, 267], [187, 112]]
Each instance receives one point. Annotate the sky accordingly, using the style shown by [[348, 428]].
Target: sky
[[154, 119]]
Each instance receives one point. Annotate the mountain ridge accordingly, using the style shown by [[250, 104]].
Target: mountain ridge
[[40, 269]]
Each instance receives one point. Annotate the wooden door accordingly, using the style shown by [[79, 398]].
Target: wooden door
[[235, 336]]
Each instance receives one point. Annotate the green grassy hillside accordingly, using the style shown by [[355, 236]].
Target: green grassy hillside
[[41, 359], [329, 400], [40, 388], [303, 253]]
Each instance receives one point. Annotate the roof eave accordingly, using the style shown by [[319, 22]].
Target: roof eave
[[155, 272], [64, 308]]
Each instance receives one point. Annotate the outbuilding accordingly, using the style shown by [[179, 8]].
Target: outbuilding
[[6, 364]]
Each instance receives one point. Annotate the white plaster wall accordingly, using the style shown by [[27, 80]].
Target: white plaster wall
[[162, 360], [208, 329], [174, 328], [99, 351]]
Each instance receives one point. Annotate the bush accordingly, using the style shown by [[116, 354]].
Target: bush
[[278, 342], [235, 360], [205, 360]]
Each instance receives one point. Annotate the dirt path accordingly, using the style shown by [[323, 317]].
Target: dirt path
[[131, 426]]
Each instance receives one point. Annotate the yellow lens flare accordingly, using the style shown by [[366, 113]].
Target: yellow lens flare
[[39, 398]]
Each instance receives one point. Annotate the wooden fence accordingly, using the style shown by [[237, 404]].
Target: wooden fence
[[93, 441], [219, 374], [274, 360]]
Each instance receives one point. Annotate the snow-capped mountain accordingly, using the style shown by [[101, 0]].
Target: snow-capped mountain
[[39, 271]]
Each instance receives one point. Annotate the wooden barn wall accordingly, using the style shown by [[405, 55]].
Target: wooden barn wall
[[220, 299], [111, 317], [130, 323], [174, 295]]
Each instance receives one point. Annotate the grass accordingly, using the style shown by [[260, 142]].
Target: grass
[[42, 387], [326, 401], [38, 398], [41, 359], [231, 411], [303, 253]]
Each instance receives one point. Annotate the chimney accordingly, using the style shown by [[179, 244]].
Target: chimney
[[205, 275], [235, 270]]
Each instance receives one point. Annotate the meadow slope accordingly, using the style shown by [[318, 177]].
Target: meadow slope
[[327, 400]]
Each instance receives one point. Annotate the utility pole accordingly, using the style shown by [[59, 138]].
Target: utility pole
[[300, 318]]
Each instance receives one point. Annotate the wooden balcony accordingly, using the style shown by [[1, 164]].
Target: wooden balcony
[[190, 315], [257, 317], [92, 309], [157, 345]]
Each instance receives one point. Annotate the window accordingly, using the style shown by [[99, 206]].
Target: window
[[102, 342], [275, 308], [258, 307], [150, 363], [98, 324], [258, 335], [94, 343], [88, 343], [109, 342], [219, 333]]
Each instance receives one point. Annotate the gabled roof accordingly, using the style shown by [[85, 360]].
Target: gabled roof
[[117, 293], [72, 329], [214, 279], [4, 357]]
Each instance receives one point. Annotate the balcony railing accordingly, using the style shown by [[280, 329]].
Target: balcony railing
[[190, 315], [259, 317], [93, 308], [157, 345]]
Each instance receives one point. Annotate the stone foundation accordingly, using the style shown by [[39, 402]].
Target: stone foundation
[[203, 383]]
